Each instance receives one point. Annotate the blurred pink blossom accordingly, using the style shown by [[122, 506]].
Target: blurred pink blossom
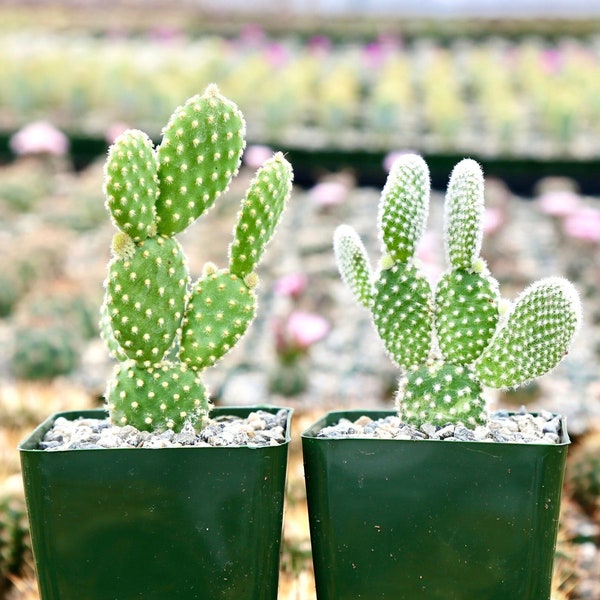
[[291, 284], [559, 203], [329, 193], [319, 44], [256, 155], [252, 35], [428, 253], [493, 219], [303, 329], [114, 131], [276, 55], [391, 157], [583, 224], [39, 137]]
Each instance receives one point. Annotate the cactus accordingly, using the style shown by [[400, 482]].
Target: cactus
[[163, 328], [453, 340], [44, 351]]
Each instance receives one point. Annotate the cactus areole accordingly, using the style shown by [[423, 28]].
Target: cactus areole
[[451, 341], [163, 328]]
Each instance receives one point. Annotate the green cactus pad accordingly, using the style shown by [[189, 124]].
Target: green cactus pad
[[353, 264], [441, 393], [260, 213], [463, 214], [147, 294], [198, 156], [402, 314], [535, 337], [404, 207], [131, 183], [466, 315], [219, 311], [157, 398]]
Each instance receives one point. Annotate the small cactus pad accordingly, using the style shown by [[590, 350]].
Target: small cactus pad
[[219, 311], [260, 213], [402, 314], [146, 294], [353, 264], [535, 337], [131, 183], [198, 156], [404, 207], [463, 214], [157, 398], [466, 315], [441, 393]]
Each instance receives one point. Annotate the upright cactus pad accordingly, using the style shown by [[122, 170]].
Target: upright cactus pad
[[163, 330], [402, 314], [260, 212], [442, 393], [131, 183], [146, 294], [220, 311], [451, 343], [466, 314], [163, 396], [404, 207], [199, 155], [353, 263], [536, 336]]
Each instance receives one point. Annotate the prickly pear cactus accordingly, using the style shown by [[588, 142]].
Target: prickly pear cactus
[[163, 328], [452, 340]]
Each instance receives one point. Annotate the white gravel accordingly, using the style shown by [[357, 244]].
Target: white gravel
[[258, 429], [520, 427]]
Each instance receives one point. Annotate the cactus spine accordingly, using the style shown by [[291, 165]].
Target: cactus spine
[[451, 341], [163, 328]]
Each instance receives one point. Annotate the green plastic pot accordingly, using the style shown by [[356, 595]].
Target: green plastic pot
[[401, 519], [169, 523]]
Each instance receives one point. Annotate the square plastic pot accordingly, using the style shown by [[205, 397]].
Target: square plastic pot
[[176, 523], [433, 520]]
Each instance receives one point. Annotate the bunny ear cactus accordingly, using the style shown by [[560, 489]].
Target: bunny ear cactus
[[163, 328], [453, 340]]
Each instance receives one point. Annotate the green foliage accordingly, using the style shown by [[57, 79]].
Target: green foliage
[[583, 473], [451, 341], [162, 327], [14, 533], [44, 351]]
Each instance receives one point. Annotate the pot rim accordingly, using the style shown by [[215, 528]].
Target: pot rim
[[30, 442]]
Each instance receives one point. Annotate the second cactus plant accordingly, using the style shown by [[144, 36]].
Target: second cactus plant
[[163, 328], [452, 340]]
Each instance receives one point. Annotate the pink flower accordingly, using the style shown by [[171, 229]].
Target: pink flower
[[256, 155], [276, 55], [584, 224], [39, 137], [319, 44], [559, 203], [329, 193], [303, 329], [291, 284], [391, 157], [114, 131], [427, 252], [493, 219]]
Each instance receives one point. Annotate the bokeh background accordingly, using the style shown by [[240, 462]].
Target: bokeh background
[[341, 86]]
